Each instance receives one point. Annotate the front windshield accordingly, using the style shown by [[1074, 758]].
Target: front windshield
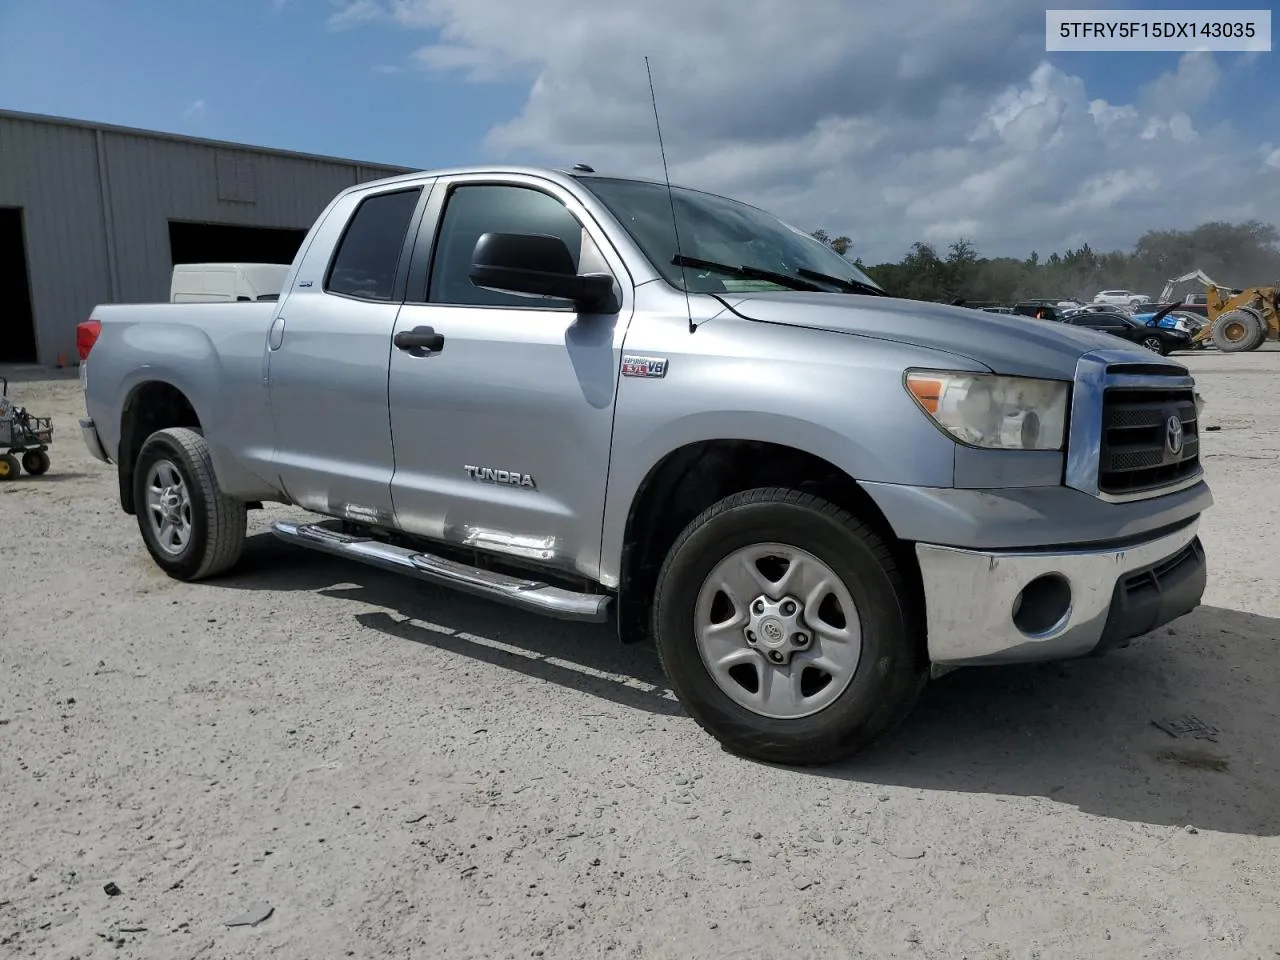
[[721, 231]]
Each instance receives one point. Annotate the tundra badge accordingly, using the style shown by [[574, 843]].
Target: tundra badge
[[490, 475]]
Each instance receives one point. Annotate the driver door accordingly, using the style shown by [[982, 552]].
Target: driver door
[[502, 425]]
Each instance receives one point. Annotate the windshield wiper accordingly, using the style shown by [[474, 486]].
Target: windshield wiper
[[752, 273], [850, 286]]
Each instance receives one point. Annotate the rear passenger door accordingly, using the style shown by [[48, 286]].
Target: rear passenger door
[[327, 355]]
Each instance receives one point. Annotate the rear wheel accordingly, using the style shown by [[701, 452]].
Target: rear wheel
[[35, 462], [1237, 331], [784, 626], [9, 468], [190, 527]]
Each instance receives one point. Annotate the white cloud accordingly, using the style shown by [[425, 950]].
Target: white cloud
[[1188, 87], [353, 13], [919, 119], [194, 110]]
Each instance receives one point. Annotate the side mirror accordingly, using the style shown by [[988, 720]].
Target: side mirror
[[540, 266]]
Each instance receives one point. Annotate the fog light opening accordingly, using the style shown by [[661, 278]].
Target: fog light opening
[[1042, 605]]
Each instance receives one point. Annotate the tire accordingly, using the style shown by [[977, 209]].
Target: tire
[[1155, 345], [213, 522], [1238, 331], [1260, 337], [9, 468], [35, 462], [877, 691]]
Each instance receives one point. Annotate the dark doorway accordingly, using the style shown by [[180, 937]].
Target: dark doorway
[[224, 243], [17, 320]]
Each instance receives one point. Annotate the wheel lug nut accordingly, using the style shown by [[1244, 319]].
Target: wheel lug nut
[[758, 606], [800, 640], [788, 608], [751, 637], [775, 656]]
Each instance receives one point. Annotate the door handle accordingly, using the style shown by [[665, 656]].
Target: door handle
[[419, 339]]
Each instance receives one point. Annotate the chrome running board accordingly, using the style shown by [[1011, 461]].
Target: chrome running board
[[532, 595]]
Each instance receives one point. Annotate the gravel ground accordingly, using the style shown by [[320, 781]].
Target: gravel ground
[[399, 771]]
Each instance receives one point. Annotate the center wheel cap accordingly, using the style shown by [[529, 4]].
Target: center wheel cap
[[776, 629], [772, 632]]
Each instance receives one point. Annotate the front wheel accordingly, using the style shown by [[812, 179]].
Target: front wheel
[[1238, 331], [190, 527], [786, 628], [1155, 344]]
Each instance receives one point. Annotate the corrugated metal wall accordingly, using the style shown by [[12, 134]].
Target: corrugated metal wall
[[97, 202]]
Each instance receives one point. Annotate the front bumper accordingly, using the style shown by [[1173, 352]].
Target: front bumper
[[1015, 606], [89, 431]]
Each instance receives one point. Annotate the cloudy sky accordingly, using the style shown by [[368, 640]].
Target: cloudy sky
[[890, 122]]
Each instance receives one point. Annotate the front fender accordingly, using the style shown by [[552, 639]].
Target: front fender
[[832, 396]]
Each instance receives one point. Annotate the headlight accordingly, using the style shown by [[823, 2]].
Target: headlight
[[1004, 413]]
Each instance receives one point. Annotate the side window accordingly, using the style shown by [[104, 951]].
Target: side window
[[369, 251], [472, 210]]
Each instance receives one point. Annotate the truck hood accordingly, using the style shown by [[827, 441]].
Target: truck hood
[[1005, 343]]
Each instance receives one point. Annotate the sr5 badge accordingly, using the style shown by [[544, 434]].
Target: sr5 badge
[[644, 366]]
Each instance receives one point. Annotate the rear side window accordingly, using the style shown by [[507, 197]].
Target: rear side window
[[369, 252]]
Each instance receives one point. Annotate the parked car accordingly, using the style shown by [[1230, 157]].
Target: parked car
[[520, 383], [1044, 309], [1200, 309], [1168, 318], [1065, 303], [1119, 297], [1156, 339]]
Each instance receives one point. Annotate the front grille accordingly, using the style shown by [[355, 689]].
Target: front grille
[[1139, 451]]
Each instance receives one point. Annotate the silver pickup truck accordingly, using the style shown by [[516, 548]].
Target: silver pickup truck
[[602, 399]]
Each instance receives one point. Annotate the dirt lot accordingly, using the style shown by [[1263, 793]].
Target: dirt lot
[[399, 771]]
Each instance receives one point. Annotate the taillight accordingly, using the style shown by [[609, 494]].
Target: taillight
[[86, 336]]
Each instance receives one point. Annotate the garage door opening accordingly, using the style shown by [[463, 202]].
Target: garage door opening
[[17, 319], [224, 243]]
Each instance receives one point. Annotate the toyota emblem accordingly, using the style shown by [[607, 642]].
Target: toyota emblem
[[1173, 434]]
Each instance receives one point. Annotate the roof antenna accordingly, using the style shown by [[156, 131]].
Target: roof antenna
[[684, 280]]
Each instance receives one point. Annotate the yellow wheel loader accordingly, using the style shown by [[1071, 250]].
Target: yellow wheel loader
[[1239, 320]]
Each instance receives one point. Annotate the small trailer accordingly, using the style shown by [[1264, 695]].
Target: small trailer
[[23, 438]]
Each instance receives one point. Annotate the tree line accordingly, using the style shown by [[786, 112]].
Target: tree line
[[1234, 254]]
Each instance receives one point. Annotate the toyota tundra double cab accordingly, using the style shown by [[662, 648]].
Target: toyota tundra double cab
[[607, 399]]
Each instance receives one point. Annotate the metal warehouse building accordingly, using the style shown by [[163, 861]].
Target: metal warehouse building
[[91, 213]]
